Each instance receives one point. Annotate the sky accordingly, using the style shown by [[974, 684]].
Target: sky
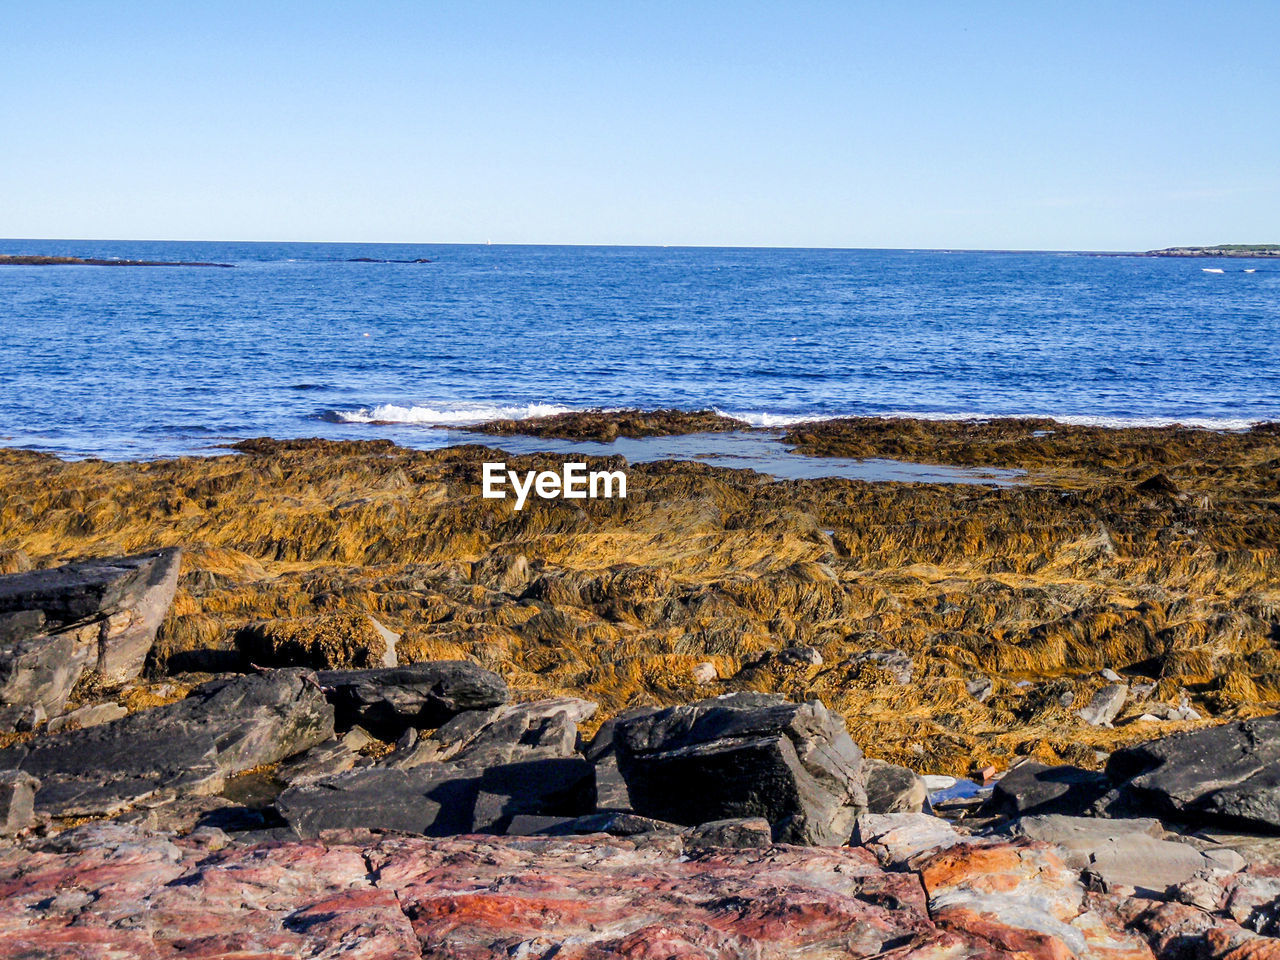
[[1010, 125]]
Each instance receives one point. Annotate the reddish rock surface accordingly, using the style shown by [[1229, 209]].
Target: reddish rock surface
[[109, 890]]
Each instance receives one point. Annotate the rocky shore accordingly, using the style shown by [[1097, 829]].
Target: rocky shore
[[322, 699]]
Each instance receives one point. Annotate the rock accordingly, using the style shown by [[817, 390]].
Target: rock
[[745, 755], [1020, 898], [980, 688], [614, 824], [1111, 676], [896, 838], [88, 716], [1105, 705], [439, 799], [190, 747], [388, 701], [1131, 853], [892, 666], [17, 801], [95, 615], [705, 672], [1228, 773], [327, 642], [739, 833], [798, 657], [1035, 788], [397, 898], [518, 731], [325, 759], [893, 789]]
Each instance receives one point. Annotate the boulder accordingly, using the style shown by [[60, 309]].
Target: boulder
[[1036, 788], [17, 801], [95, 615], [388, 701], [896, 838], [518, 731], [439, 799], [893, 789], [745, 755], [1229, 773], [1105, 705], [190, 747]]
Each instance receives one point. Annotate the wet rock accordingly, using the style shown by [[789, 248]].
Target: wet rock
[[439, 799], [740, 832], [1132, 853], [189, 747], [745, 755], [1036, 788], [893, 789], [17, 801], [328, 642], [94, 615], [1228, 773], [1105, 705], [388, 701]]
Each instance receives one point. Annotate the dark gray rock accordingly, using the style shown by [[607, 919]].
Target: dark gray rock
[[745, 755], [798, 657], [17, 801], [893, 789], [189, 747], [742, 833], [439, 799], [100, 615], [980, 688], [615, 824], [1036, 788], [1229, 773], [389, 700]]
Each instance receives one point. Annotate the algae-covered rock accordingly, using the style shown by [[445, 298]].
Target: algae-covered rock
[[335, 641]]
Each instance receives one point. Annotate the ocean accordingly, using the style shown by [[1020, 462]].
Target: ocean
[[296, 341]]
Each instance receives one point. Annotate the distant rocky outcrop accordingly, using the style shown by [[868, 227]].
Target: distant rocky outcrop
[[1219, 250], [23, 260], [607, 425]]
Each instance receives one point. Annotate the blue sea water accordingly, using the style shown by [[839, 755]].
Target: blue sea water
[[296, 341]]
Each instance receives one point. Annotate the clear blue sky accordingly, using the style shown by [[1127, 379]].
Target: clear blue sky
[[1023, 124]]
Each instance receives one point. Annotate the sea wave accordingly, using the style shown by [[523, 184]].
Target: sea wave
[[450, 415], [470, 414]]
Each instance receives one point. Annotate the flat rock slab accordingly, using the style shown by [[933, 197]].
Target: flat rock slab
[[387, 701], [1130, 853], [1229, 773], [189, 747], [439, 799], [100, 615], [745, 755]]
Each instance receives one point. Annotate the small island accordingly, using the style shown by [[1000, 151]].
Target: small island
[[1219, 250], [15, 260]]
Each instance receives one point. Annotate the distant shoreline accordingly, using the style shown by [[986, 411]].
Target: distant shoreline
[[12, 260], [1221, 250]]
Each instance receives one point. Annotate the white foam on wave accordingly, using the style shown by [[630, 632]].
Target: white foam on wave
[[459, 415], [469, 414]]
